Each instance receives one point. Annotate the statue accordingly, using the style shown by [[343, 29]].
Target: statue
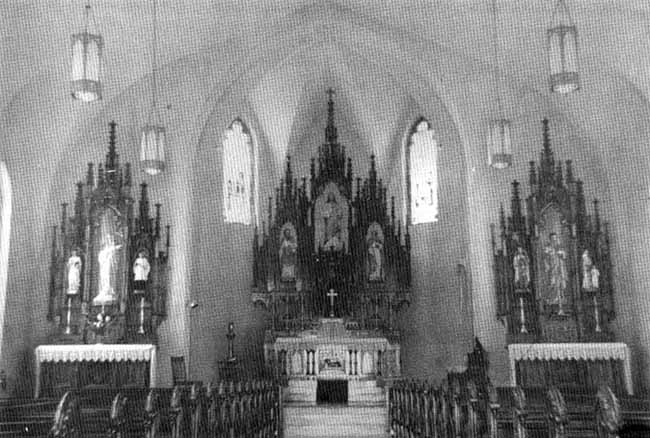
[[288, 253], [590, 274], [105, 260], [141, 269], [556, 272], [330, 211], [334, 242], [521, 265], [375, 256], [74, 273]]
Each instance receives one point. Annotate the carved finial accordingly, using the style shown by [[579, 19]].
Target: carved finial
[[90, 176], [569, 172], [111, 156], [547, 140], [128, 181], [532, 175], [144, 205], [596, 216], [330, 132], [157, 228]]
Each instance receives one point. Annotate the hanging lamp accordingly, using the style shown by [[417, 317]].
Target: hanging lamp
[[563, 51], [87, 61], [152, 143], [498, 141]]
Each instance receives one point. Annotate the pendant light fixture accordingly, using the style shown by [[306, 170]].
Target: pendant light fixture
[[87, 61], [498, 141], [152, 144], [563, 51]]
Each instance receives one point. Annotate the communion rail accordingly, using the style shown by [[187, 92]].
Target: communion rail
[[464, 410], [243, 410]]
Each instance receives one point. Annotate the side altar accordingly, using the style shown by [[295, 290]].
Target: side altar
[[108, 284], [553, 283], [332, 267]]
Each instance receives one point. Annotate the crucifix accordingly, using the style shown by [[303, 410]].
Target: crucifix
[[331, 294]]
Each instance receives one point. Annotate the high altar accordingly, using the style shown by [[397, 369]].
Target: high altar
[[108, 285], [555, 294], [332, 267]]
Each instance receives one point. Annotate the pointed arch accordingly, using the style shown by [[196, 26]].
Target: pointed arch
[[240, 174], [420, 172], [5, 232]]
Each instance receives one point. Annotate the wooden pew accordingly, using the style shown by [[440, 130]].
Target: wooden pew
[[627, 416], [26, 417]]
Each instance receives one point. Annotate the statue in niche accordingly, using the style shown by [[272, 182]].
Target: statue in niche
[[141, 269], [288, 253], [521, 266], [556, 272], [74, 273], [590, 274], [105, 259], [331, 216], [375, 245], [334, 242]]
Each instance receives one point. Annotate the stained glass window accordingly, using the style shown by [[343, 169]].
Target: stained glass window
[[239, 183], [422, 173]]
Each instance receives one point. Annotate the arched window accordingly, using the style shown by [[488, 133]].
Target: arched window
[[239, 174], [421, 174], [5, 224]]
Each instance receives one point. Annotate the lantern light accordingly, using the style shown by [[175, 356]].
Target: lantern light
[[87, 62], [563, 51], [152, 143], [152, 150], [499, 144]]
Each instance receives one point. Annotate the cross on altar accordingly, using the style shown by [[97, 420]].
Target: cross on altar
[[331, 294]]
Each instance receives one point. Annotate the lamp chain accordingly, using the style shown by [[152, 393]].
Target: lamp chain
[[496, 59], [87, 17], [154, 93]]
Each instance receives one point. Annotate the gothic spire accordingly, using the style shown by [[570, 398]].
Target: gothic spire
[[331, 135], [111, 156]]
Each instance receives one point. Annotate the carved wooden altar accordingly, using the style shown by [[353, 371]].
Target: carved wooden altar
[[552, 266], [108, 269], [332, 247]]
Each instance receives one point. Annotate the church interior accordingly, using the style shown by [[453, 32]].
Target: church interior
[[430, 217]]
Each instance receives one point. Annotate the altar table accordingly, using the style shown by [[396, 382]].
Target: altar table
[[571, 364], [94, 353]]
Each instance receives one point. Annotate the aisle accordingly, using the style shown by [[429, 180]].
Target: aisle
[[364, 415]]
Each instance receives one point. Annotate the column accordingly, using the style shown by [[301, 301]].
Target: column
[[316, 362], [398, 366], [305, 362], [347, 362], [310, 366]]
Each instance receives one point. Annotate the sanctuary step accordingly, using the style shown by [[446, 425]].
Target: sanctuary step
[[365, 392], [334, 421], [360, 392]]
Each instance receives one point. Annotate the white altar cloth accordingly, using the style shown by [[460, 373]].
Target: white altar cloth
[[572, 351], [95, 353]]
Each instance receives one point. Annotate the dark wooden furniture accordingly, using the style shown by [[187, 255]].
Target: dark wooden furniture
[[552, 264], [347, 255], [93, 297]]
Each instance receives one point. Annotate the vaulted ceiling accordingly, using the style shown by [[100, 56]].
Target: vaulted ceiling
[[283, 54]]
